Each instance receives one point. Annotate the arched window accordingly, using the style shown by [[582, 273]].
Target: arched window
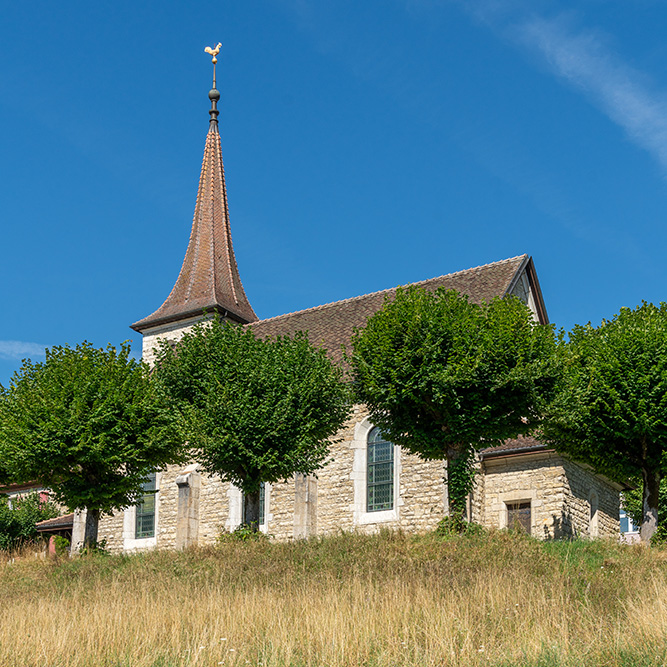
[[380, 473]]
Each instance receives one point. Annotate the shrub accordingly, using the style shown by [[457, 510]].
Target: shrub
[[243, 533], [62, 545], [456, 525], [18, 517]]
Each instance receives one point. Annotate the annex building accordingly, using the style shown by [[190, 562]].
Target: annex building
[[369, 483]]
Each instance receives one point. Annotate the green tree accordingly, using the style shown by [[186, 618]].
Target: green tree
[[86, 423], [611, 409], [253, 410], [18, 517], [442, 376]]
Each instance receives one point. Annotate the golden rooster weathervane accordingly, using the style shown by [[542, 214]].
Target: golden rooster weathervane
[[213, 51]]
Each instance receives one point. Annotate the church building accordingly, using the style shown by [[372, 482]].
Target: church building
[[369, 483]]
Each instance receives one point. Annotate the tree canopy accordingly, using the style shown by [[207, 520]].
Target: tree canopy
[[442, 376], [252, 410], [611, 408], [87, 424]]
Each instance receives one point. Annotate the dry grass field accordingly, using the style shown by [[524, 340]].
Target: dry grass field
[[387, 600]]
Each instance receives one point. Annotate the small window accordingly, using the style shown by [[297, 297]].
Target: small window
[[518, 516], [626, 523], [627, 527], [380, 473], [145, 521]]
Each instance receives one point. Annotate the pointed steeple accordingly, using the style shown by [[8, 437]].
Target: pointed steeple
[[209, 279]]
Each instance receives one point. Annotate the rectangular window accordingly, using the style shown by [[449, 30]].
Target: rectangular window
[[380, 479], [518, 516], [145, 523], [262, 501], [626, 523]]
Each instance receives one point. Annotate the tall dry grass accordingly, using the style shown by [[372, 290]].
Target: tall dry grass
[[353, 600]]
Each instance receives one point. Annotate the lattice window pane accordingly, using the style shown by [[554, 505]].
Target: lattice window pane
[[381, 497], [145, 525], [380, 451], [148, 503], [380, 473], [145, 522]]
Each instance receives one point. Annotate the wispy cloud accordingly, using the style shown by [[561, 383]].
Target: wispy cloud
[[622, 92], [582, 57], [17, 349]]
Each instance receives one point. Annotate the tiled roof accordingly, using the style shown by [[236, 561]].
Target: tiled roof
[[60, 522], [332, 324], [522, 444], [209, 278], [29, 487]]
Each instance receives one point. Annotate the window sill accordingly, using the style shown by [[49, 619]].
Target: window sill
[[139, 544], [382, 516]]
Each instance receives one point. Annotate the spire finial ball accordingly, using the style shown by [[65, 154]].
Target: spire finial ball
[[214, 94]]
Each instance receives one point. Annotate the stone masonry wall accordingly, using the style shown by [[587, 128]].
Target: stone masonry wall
[[420, 494], [213, 514], [560, 492], [213, 508], [335, 491], [111, 530], [538, 478], [581, 488], [558, 489], [281, 521], [420, 501], [171, 332], [423, 494]]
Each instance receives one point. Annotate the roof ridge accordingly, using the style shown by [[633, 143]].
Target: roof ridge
[[388, 289]]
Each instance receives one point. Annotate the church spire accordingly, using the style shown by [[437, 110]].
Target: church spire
[[209, 279]]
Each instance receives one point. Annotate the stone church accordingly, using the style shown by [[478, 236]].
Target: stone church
[[369, 483]]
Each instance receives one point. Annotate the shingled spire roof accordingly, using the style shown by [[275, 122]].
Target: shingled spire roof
[[209, 279]]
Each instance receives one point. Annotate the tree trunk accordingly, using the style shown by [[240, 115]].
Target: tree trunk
[[649, 525], [251, 510], [457, 484], [90, 529]]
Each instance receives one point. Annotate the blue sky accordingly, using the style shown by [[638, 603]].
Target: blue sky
[[366, 144]]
